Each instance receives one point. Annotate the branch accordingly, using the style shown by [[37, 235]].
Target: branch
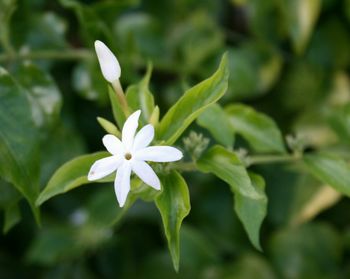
[[48, 54]]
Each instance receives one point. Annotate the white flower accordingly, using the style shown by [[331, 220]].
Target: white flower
[[129, 155], [108, 62]]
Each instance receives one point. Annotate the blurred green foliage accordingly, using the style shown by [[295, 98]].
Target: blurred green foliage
[[288, 59]]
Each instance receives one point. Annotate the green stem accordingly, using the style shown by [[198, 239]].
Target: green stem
[[10, 52], [183, 166], [249, 161], [47, 54], [121, 97], [271, 159], [7, 11]]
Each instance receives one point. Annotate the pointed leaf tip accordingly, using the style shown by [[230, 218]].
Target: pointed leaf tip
[[193, 103], [174, 205]]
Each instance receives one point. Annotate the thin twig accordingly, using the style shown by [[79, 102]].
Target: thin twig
[[48, 54]]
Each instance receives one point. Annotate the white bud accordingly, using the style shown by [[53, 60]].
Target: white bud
[[108, 62]]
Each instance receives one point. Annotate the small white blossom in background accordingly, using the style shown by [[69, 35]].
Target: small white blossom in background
[[108, 62], [129, 155]]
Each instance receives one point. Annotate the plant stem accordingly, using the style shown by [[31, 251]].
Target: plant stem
[[271, 159], [121, 97], [249, 161], [183, 166], [10, 52], [48, 54], [6, 13]]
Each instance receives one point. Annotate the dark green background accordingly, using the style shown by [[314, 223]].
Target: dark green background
[[298, 75]]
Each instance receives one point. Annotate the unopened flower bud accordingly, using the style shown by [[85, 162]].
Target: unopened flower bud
[[108, 62]]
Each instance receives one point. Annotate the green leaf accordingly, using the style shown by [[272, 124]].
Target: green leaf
[[331, 170], [196, 39], [43, 93], [53, 244], [301, 16], [103, 209], [108, 126], [174, 205], [140, 190], [117, 110], [140, 97], [51, 159], [88, 81], [40, 31], [243, 73], [248, 266], [216, 121], [154, 118], [9, 200], [339, 119], [309, 251], [7, 9], [95, 19], [88, 228], [69, 176], [254, 69], [227, 166], [300, 77], [12, 216], [252, 212], [19, 140], [91, 23], [9, 194], [192, 103], [250, 198], [197, 248], [258, 129]]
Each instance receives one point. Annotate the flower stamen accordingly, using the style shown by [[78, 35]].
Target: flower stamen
[[127, 156]]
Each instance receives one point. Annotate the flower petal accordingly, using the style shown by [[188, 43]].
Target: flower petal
[[129, 129], [108, 62], [144, 137], [103, 167], [146, 174], [122, 183], [113, 144], [158, 154]]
